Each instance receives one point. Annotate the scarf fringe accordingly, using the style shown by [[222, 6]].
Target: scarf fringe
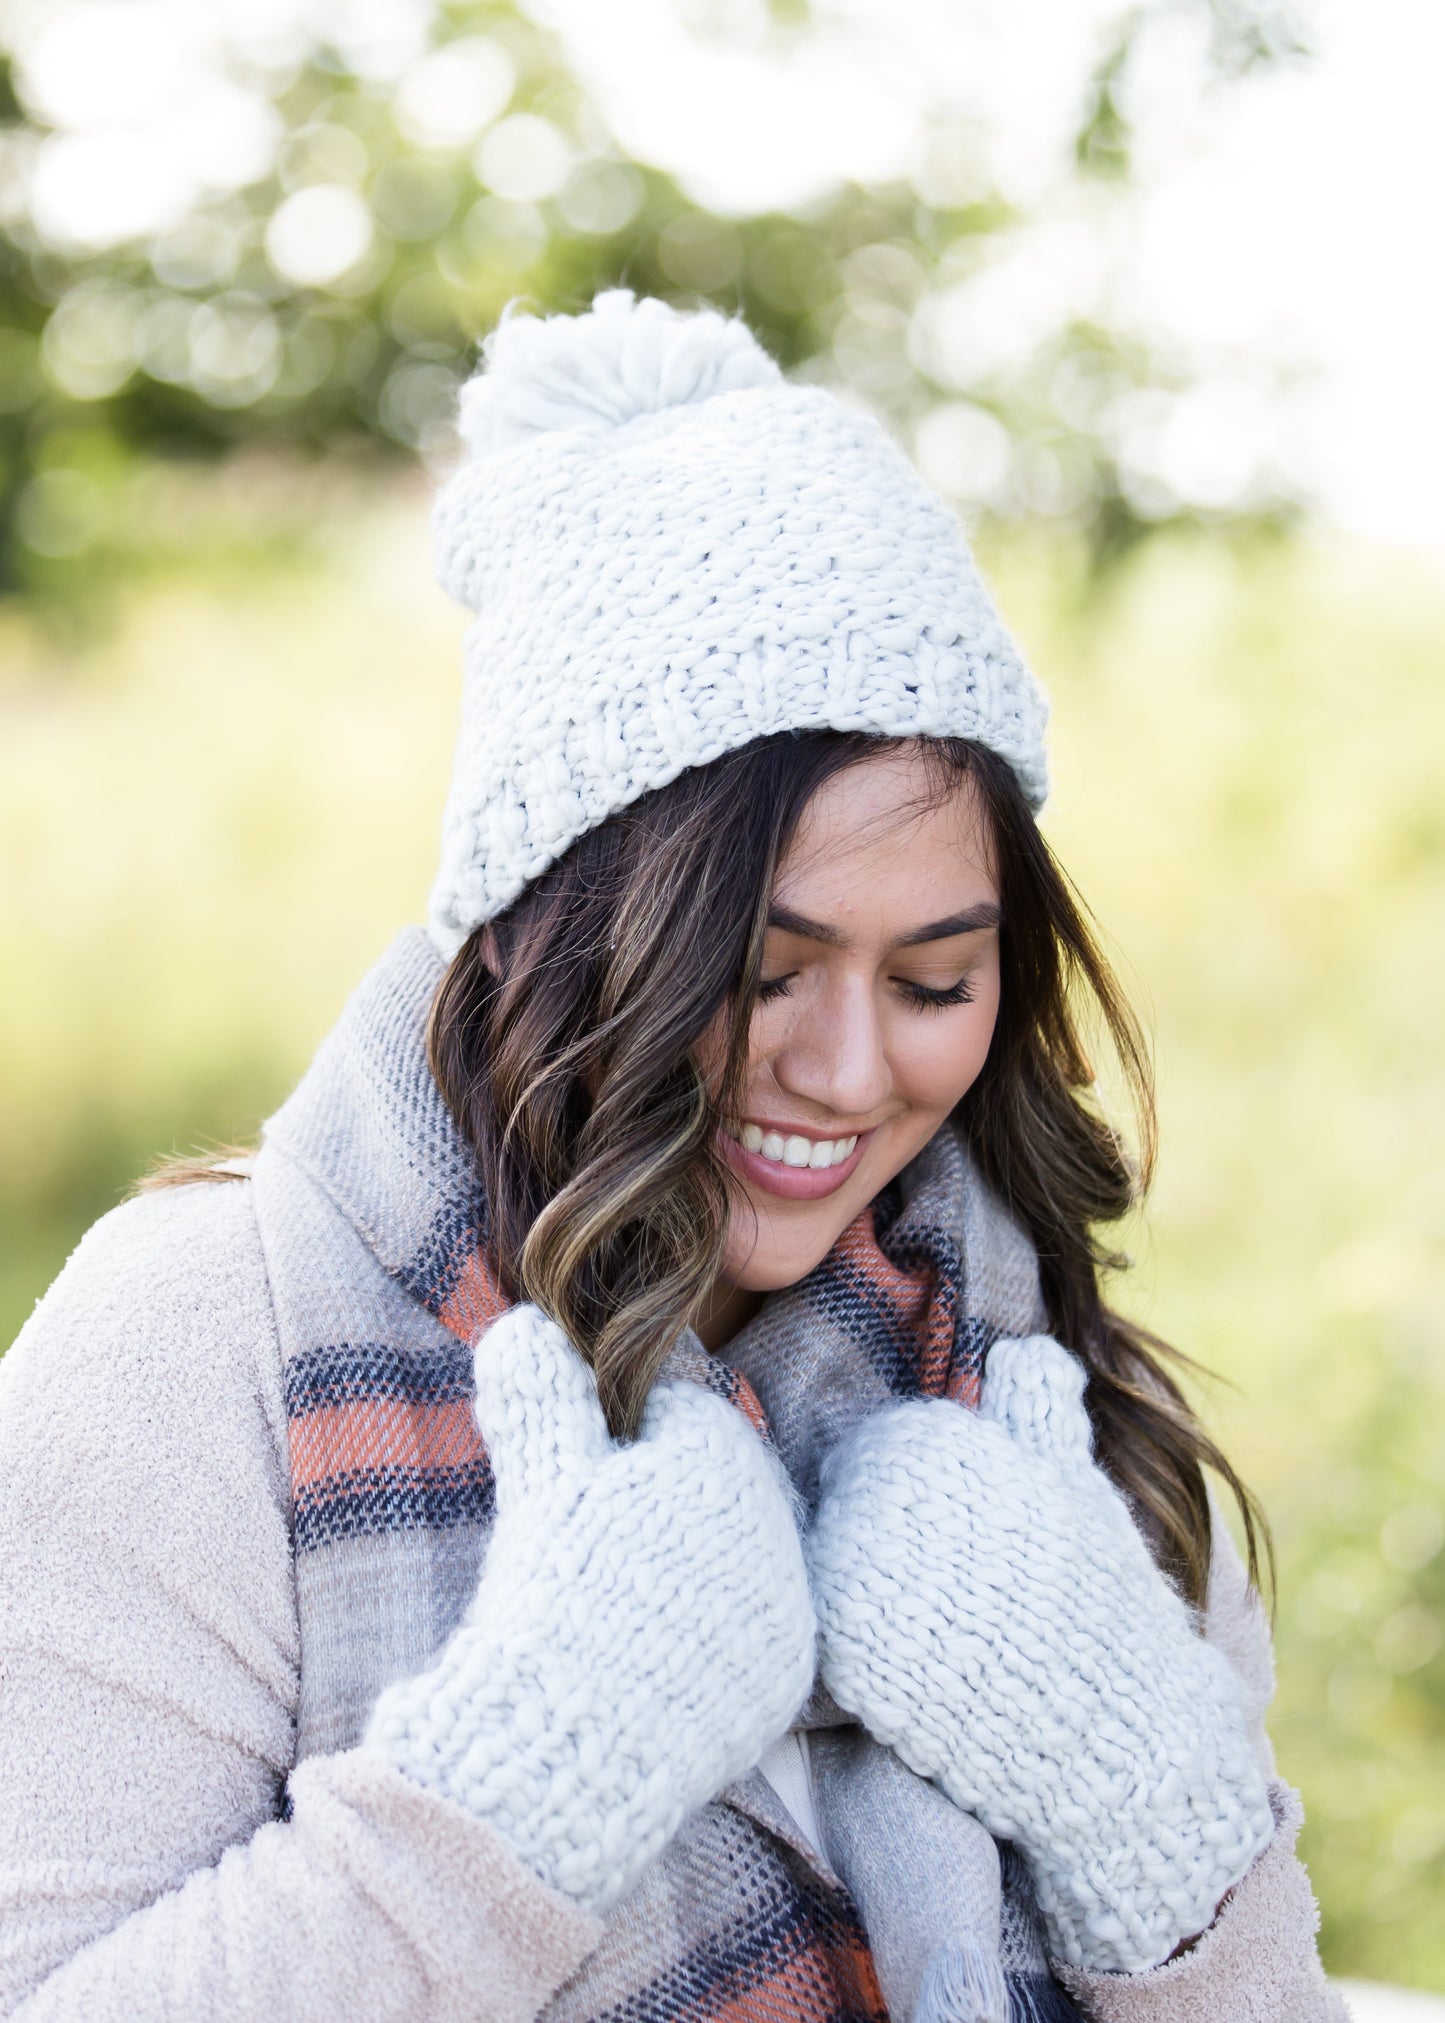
[[963, 1984]]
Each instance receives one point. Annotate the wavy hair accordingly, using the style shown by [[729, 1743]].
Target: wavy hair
[[564, 1038]]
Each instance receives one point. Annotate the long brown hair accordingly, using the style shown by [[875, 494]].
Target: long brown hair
[[564, 1038]]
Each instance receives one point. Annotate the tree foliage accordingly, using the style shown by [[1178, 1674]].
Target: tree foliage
[[323, 292]]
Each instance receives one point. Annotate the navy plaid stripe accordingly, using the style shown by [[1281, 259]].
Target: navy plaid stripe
[[917, 1252], [457, 1233], [363, 1501], [351, 1373], [972, 1340], [845, 1295], [790, 1930], [842, 1294]]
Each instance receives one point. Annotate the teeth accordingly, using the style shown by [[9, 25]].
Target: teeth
[[795, 1150]]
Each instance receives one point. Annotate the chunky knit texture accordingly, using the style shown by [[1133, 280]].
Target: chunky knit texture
[[641, 1633], [988, 1609], [671, 551]]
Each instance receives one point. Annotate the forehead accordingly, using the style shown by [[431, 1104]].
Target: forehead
[[894, 822]]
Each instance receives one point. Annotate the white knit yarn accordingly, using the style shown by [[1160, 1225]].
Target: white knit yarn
[[671, 551], [641, 1633], [987, 1607]]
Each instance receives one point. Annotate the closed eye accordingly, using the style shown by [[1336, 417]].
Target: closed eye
[[928, 997], [922, 996]]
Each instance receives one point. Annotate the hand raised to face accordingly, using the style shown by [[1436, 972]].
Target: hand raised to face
[[642, 1630], [987, 1608]]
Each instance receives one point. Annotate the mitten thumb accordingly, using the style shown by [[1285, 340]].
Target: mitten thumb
[[537, 1410], [1034, 1390]]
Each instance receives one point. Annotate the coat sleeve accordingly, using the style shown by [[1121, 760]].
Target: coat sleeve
[[1258, 1962], [148, 1688]]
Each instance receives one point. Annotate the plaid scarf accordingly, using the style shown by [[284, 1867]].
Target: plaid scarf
[[375, 1233]]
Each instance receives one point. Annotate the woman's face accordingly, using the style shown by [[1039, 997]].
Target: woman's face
[[879, 994]]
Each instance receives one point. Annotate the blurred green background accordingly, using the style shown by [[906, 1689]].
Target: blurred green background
[[228, 689]]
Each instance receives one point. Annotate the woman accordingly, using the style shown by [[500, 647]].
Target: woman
[[632, 1502]]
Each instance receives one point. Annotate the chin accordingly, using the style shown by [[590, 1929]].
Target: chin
[[774, 1261], [773, 1274]]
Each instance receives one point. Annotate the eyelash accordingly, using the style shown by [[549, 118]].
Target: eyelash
[[920, 995], [925, 999]]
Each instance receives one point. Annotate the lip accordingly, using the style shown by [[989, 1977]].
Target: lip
[[792, 1183]]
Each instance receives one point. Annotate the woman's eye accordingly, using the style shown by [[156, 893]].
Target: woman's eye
[[774, 986], [928, 997]]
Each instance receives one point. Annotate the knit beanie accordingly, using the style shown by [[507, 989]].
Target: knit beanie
[[670, 551]]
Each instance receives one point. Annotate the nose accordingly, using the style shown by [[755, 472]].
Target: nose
[[835, 1056]]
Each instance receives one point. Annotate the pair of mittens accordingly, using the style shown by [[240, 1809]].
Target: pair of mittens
[[987, 1608]]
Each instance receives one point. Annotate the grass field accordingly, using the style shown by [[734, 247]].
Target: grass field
[[213, 817]]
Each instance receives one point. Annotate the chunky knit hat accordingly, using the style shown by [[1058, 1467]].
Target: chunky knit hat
[[671, 551]]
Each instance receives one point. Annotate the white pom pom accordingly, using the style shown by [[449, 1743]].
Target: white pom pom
[[594, 372]]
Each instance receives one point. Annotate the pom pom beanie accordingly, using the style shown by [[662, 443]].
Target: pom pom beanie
[[671, 551]]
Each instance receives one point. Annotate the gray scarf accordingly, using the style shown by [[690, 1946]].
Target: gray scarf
[[375, 1235]]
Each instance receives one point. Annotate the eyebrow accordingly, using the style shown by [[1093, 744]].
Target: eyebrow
[[973, 920]]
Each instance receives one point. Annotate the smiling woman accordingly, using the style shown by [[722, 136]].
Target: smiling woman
[[633, 1501]]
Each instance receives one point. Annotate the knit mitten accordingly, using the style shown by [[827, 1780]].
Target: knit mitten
[[641, 1633], [988, 1609]]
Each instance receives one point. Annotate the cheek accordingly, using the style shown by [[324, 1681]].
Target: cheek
[[938, 1059]]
